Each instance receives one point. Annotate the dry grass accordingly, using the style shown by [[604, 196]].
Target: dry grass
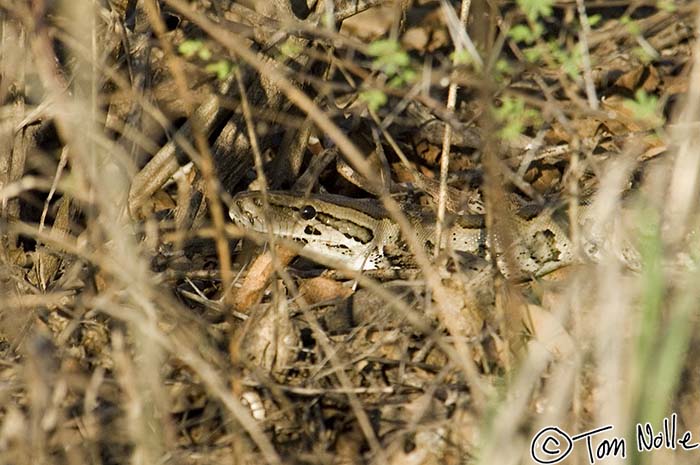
[[135, 326]]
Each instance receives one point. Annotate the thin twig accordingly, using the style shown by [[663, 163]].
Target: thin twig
[[447, 135]]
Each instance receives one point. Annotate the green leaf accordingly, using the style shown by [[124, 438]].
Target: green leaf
[[204, 54], [645, 108], [392, 63], [383, 47], [189, 47], [643, 55], [525, 33], [503, 66], [390, 58], [522, 33], [534, 9], [405, 76], [533, 54], [570, 61], [374, 98], [221, 68], [514, 117], [593, 20], [290, 48], [631, 25], [461, 58]]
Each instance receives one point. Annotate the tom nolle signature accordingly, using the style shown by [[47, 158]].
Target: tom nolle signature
[[552, 444]]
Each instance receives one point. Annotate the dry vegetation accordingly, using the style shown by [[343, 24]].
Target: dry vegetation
[[138, 326]]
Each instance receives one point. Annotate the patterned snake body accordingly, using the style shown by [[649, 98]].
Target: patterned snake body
[[360, 233]]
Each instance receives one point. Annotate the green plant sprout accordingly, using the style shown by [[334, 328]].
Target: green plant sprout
[[525, 33], [393, 61], [290, 48], [514, 117], [221, 68], [195, 47], [534, 9], [570, 61], [374, 98], [191, 47], [645, 108]]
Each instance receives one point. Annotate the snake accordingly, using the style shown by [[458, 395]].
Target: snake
[[362, 235]]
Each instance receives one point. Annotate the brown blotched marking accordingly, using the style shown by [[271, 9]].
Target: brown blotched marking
[[310, 230], [348, 228]]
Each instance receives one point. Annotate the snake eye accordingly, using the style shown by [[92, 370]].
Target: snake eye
[[308, 212]]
